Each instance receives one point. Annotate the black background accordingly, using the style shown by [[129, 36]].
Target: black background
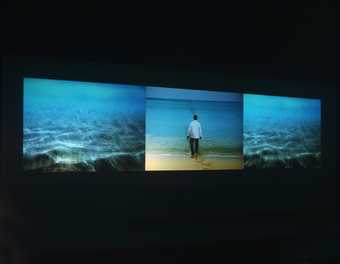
[[291, 216]]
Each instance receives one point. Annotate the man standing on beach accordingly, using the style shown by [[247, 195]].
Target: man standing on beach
[[194, 134]]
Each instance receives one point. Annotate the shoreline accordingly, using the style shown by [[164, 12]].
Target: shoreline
[[156, 162]]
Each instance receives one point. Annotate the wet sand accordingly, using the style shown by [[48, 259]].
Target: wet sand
[[181, 162]]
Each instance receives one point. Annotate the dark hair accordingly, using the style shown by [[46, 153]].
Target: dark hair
[[195, 117]]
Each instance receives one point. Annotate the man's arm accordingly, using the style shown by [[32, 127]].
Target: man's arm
[[201, 135], [189, 131]]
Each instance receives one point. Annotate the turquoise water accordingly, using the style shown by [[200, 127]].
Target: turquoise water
[[281, 131], [167, 122], [69, 124]]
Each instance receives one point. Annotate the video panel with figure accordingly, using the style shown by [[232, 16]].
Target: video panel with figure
[[83, 126], [281, 132], [193, 129], [73, 126]]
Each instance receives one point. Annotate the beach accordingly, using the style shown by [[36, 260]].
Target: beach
[[167, 121], [156, 162]]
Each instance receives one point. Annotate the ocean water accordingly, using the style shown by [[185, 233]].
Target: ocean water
[[167, 122], [281, 132], [71, 125]]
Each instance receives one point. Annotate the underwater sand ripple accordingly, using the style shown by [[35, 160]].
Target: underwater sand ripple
[[63, 146], [293, 147]]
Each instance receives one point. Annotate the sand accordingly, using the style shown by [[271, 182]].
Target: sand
[[158, 162]]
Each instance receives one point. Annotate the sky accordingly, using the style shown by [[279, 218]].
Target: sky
[[188, 94]]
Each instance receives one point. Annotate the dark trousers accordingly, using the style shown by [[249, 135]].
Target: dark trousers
[[194, 145]]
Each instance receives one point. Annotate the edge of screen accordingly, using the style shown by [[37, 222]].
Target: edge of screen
[[48, 69]]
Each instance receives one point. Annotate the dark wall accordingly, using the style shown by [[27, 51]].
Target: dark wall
[[278, 41], [175, 208]]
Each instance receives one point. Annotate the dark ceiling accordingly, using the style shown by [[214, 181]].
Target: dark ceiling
[[297, 38]]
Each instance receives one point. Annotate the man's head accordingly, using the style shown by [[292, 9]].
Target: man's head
[[195, 117]]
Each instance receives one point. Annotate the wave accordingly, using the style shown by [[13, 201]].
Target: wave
[[220, 156], [290, 147], [75, 141], [118, 162], [303, 160], [179, 145]]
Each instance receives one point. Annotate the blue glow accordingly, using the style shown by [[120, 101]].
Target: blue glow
[[169, 112], [281, 131], [70, 125]]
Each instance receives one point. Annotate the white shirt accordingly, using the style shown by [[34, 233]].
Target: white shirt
[[194, 129]]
